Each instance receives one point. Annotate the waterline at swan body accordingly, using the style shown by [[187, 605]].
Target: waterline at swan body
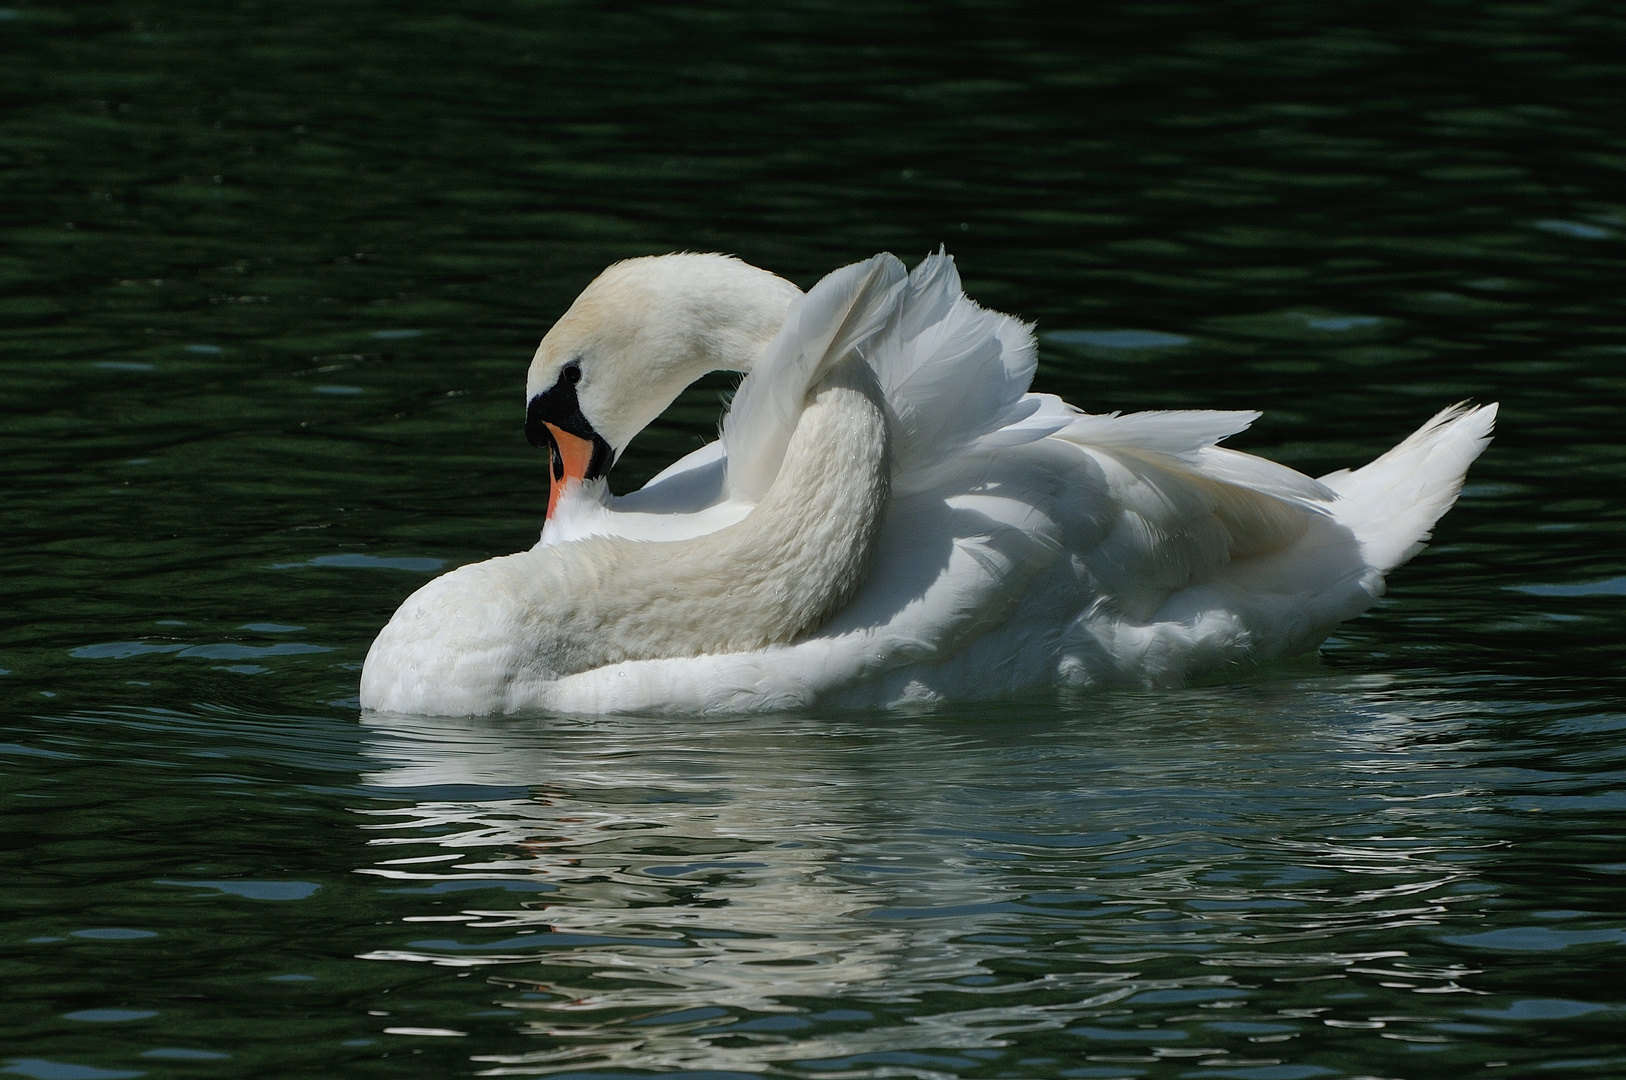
[[888, 517]]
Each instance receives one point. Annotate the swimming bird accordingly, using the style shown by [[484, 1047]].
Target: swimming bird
[[889, 517]]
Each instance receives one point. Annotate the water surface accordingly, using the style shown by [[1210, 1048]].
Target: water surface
[[270, 274]]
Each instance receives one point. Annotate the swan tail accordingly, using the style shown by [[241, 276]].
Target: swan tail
[[1391, 505], [840, 315]]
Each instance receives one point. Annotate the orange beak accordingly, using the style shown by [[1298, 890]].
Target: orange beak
[[570, 457]]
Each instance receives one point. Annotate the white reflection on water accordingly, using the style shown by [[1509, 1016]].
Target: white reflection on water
[[837, 891]]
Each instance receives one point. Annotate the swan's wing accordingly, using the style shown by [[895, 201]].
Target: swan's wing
[[1154, 506], [955, 376], [1158, 507], [842, 313], [1179, 508], [1189, 437]]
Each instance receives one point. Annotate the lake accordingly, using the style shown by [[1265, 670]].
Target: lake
[[271, 273]]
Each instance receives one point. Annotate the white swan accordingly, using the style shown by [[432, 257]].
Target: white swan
[[888, 517]]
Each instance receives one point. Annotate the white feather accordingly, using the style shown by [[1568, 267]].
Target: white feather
[[1025, 543], [839, 316], [1392, 504]]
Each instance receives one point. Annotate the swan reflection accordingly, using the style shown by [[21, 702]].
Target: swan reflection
[[839, 892]]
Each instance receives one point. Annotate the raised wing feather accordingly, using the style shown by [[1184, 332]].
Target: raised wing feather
[[953, 373], [842, 313]]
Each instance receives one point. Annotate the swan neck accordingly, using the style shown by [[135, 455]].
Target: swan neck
[[775, 576]]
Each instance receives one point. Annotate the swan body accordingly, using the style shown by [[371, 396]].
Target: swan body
[[889, 517]]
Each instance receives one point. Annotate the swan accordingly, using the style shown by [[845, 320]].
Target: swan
[[888, 517]]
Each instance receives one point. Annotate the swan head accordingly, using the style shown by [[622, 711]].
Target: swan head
[[637, 335]]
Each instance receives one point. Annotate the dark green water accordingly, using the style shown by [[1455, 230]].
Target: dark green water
[[270, 275]]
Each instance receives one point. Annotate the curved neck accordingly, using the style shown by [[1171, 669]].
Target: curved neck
[[778, 574], [647, 328]]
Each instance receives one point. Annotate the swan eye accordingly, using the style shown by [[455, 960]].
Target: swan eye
[[558, 408]]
